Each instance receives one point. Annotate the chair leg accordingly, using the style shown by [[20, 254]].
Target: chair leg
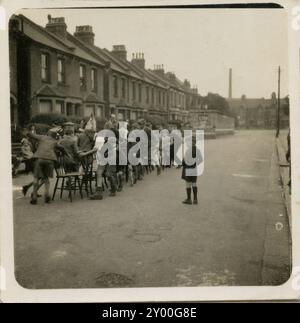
[[79, 186], [62, 187], [91, 189], [75, 187], [55, 188], [70, 189], [86, 183], [81, 183]]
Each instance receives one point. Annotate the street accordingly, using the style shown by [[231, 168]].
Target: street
[[145, 237]]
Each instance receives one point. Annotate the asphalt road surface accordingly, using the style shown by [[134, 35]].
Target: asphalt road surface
[[145, 237]]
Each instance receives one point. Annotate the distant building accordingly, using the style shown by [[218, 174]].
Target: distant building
[[257, 112]]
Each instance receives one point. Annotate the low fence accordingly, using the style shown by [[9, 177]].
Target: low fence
[[213, 123]]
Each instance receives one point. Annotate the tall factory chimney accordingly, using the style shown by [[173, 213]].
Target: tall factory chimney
[[230, 84]]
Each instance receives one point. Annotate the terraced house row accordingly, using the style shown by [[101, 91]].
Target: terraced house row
[[55, 71]]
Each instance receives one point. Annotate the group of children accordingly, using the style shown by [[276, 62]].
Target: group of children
[[40, 153]]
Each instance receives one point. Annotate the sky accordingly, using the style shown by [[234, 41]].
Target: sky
[[196, 44]]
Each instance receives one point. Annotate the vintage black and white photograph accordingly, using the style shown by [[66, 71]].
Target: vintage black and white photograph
[[150, 147]]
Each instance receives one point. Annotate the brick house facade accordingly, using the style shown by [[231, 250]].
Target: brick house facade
[[55, 71]]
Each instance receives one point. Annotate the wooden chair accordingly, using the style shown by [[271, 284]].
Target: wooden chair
[[89, 173], [66, 181]]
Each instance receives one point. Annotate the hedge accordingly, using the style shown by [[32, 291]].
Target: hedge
[[49, 119], [41, 128], [58, 119]]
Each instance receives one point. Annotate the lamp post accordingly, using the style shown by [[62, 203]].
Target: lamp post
[[278, 104]]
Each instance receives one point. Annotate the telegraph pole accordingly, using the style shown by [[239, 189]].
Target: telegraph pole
[[278, 104]]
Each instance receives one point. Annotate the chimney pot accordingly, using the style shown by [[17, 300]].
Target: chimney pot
[[120, 51], [85, 34], [57, 26]]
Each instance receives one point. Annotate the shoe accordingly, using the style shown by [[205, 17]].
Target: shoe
[[33, 202], [24, 190], [195, 202], [39, 195], [97, 196], [112, 194], [120, 189], [187, 201], [47, 199]]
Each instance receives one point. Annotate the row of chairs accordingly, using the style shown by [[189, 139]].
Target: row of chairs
[[73, 182], [86, 177]]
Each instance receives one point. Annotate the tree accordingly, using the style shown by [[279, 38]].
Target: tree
[[217, 102], [286, 105]]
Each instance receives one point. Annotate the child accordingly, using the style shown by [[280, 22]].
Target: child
[[27, 154], [70, 145], [45, 157], [191, 180]]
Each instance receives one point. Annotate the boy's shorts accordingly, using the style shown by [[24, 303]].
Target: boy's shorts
[[43, 168]]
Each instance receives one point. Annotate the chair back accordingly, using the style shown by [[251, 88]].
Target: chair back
[[87, 163], [60, 166]]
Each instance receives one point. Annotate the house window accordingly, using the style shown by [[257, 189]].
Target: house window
[[127, 86], [60, 107], [147, 94], [45, 67], [69, 109], [123, 88], [99, 111], [88, 110], [45, 106], [121, 115], [152, 95], [133, 91], [77, 109], [115, 86], [140, 92], [82, 73], [94, 79], [133, 115], [61, 70]]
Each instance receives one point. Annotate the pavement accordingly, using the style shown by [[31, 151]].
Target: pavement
[[282, 147], [145, 237]]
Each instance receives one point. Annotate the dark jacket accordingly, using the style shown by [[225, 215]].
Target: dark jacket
[[46, 147], [70, 147], [85, 142]]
